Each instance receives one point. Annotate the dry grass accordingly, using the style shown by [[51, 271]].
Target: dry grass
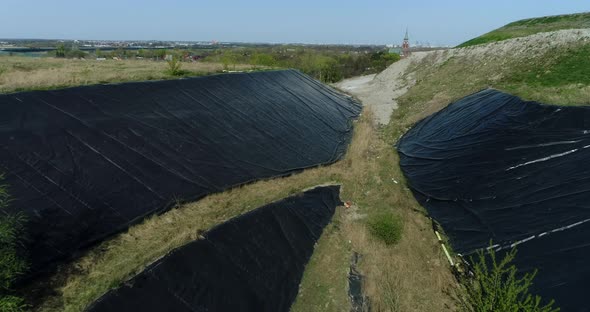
[[410, 276], [127, 254], [325, 282], [27, 73]]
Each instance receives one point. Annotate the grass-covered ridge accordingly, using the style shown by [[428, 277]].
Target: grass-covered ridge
[[532, 26]]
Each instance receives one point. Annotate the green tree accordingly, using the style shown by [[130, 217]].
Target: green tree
[[330, 71], [263, 59], [229, 58], [496, 286], [60, 50]]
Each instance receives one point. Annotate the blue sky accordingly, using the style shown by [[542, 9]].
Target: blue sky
[[305, 21]]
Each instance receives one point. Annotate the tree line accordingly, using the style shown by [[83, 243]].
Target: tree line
[[325, 63]]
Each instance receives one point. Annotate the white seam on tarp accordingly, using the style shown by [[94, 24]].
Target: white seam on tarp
[[547, 158], [541, 145], [543, 159], [497, 247]]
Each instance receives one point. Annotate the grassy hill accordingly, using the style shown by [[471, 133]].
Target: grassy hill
[[532, 26]]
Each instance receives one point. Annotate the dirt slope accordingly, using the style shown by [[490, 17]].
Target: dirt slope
[[381, 91]]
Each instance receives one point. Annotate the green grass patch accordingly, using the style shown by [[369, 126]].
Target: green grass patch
[[487, 38], [557, 77], [570, 66], [547, 20], [386, 227]]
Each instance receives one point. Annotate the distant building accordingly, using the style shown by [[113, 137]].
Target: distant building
[[396, 50]]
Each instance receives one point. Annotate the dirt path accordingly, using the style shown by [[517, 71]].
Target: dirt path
[[380, 91]]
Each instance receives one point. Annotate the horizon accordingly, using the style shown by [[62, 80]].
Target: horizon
[[378, 22]]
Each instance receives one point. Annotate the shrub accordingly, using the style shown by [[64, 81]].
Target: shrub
[[174, 65], [76, 54], [386, 227], [11, 263], [60, 51], [497, 287], [12, 304]]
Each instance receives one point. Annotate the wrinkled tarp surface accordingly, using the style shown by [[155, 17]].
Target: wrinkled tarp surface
[[494, 167], [86, 162], [253, 262]]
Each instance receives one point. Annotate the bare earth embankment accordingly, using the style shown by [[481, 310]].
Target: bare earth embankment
[[381, 91]]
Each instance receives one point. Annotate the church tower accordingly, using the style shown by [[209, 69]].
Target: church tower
[[406, 45]]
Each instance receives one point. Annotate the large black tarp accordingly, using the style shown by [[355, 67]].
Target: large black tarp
[[494, 167], [86, 162], [253, 262]]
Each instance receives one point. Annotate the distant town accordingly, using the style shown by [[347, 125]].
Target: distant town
[[43, 45]]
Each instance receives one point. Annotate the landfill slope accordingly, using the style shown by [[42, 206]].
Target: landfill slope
[[253, 262], [84, 163], [492, 167]]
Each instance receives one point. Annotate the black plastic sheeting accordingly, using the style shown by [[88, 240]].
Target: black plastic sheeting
[[87, 162], [494, 167], [253, 262]]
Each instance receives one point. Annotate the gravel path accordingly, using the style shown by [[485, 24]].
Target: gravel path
[[380, 91]]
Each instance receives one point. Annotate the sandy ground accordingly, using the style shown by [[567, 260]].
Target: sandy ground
[[380, 91]]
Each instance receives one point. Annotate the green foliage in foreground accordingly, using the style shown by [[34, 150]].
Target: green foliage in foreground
[[532, 26], [386, 227], [11, 264], [496, 287]]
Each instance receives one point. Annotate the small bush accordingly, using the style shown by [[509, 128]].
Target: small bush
[[496, 287], [386, 227], [174, 65], [11, 262]]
